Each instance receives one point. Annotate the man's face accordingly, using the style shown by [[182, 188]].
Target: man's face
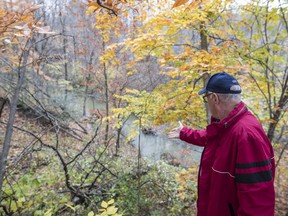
[[213, 100]]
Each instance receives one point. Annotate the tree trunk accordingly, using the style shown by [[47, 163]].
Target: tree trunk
[[118, 140], [9, 128], [276, 116], [65, 63], [106, 103], [88, 78], [65, 41], [106, 86], [204, 46]]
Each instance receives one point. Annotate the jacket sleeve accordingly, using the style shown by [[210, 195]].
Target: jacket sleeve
[[195, 137], [254, 175]]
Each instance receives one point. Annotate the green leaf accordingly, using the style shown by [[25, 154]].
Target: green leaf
[[22, 199], [71, 207], [19, 204], [8, 192], [35, 182], [13, 206], [25, 180], [38, 212]]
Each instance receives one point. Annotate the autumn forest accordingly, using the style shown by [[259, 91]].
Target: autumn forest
[[89, 90]]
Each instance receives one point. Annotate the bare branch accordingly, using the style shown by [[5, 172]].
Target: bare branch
[[281, 154], [103, 6]]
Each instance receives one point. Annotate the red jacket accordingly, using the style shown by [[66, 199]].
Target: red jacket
[[237, 166]]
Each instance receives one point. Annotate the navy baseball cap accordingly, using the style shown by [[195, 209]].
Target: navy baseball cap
[[222, 83]]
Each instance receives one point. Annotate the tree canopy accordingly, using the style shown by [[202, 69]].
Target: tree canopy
[[81, 80]]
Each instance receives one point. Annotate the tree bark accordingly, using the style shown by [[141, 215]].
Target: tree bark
[[204, 46], [88, 79], [106, 86], [106, 103], [65, 41], [9, 128], [276, 115]]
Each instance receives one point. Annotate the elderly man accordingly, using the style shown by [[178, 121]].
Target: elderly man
[[237, 167]]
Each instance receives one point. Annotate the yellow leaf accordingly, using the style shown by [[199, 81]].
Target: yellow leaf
[[112, 210], [92, 7], [91, 213], [48, 213], [103, 214], [3, 12], [111, 201], [179, 2], [183, 172], [104, 204]]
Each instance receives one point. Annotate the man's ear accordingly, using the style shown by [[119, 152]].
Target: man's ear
[[215, 98]]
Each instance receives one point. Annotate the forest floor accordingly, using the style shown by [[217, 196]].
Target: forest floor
[[21, 143]]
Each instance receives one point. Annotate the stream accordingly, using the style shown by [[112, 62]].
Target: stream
[[154, 146]]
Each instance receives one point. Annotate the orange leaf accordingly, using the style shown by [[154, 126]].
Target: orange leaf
[[193, 4], [93, 4], [26, 17], [179, 2], [108, 3]]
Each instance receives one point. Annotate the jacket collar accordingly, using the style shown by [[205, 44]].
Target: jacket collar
[[233, 116]]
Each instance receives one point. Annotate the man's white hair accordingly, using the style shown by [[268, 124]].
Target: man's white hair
[[229, 98]]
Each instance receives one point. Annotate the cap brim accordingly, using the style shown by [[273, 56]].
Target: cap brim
[[202, 91]]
